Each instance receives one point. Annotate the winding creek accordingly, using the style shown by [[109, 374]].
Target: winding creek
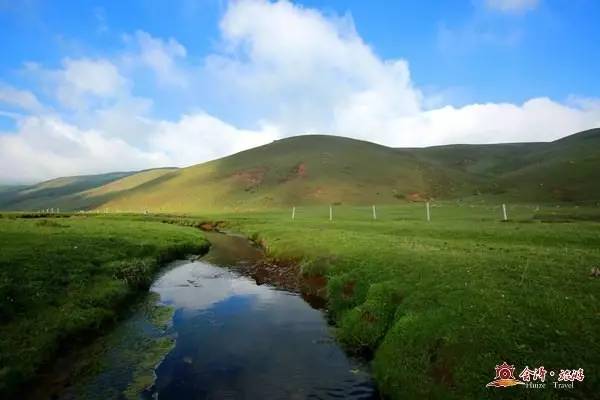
[[232, 339]]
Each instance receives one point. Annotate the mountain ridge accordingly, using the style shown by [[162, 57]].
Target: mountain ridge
[[319, 169]]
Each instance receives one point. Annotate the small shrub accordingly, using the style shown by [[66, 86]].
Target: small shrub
[[137, 272]]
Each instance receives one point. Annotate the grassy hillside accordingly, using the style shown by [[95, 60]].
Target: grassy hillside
[[564, 170], [76, 192], [299, 170], [308, 170], [561, 171], [318, 169]]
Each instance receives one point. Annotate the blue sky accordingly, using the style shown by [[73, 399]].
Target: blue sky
[[92, 86]]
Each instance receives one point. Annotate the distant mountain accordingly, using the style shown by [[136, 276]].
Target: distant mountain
[[318, 169], [69, 193]]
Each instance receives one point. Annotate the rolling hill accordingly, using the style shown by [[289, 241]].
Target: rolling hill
[[70, 193], [319, 169]]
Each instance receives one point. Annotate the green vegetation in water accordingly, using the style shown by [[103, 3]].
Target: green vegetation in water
[[439, 304], [120, 363], [151, 350], [62, 281], [143, 375]]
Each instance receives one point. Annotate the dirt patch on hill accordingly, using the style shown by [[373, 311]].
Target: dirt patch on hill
[[317, 192], [416, 197], [250, 179], [298, 171]]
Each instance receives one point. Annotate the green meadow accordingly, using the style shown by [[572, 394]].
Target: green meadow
[[438, 304], [65, 280], [434, 305]]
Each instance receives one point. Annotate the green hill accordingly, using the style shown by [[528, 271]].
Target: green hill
[[301, 170], [67, 193], [318, 169], [564, 170]]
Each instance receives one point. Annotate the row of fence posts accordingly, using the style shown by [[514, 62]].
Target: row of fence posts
[[427, 212], [49, 211]]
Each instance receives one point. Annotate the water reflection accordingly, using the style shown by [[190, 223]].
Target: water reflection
[[238, 340]]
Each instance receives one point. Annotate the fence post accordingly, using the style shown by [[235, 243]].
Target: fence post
[[374, 212], [293, 213], [504, 212], [330, 213], [428, 212]]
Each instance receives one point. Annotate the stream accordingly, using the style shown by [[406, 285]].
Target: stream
[[234, 339]]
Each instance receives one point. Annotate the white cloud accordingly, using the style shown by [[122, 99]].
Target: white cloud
[[161, 56], [512, 6], [79, 83], [287, 69], [319, 76], [46, 146], [203, 137], [22, 99], [98, 77], [539, 119], [295, 67]]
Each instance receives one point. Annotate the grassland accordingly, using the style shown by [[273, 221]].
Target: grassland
[[439, 304], [435, 304], [62, 280]]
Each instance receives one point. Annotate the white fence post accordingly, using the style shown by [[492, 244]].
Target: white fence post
[[330, 213], [428, 212], [504, 212], [293, 213], [374, 212]]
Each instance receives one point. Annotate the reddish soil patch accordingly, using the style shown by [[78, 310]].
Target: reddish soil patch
[[285, 274], [416, 196], [314, 290], [212, 226], [282, 274], [320, 282], [348, 289], [300, 170], [318, 192], [250, 178]]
